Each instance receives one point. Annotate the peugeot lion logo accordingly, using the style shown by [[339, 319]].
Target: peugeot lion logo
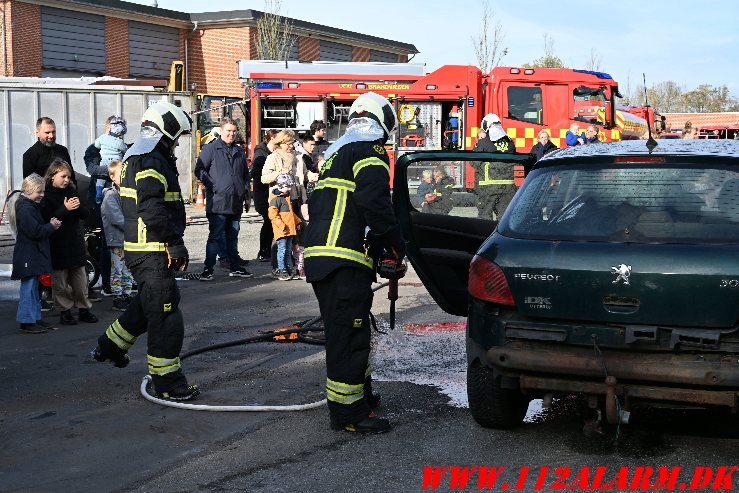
[[622, 272]]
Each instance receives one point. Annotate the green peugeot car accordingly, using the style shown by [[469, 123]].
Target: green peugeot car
[[613, 272]]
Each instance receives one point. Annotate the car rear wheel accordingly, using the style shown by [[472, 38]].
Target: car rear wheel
[[492, 406]]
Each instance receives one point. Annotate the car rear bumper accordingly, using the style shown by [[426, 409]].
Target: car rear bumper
[[706, 379]]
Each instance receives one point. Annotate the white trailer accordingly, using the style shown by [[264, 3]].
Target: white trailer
[[79, 108]]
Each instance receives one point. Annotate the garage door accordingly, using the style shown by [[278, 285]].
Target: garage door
[[152, 49], [72, 40], [335, 52], [383, 56]]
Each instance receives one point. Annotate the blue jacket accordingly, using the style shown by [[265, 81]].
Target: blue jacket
[[225, 176], [31, 255], [571, 138]]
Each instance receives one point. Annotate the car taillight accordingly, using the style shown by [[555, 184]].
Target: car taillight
[[45, 280], [488, 282]]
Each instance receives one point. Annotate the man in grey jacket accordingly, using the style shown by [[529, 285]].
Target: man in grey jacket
[[222, 169]]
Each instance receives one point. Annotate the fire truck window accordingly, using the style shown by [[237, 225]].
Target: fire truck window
[[589, 104], [524, 103]]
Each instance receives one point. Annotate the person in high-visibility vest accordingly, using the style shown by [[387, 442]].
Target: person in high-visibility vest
[[353, 194], [494, 183]]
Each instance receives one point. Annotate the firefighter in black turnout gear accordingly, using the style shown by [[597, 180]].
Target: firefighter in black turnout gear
[[494, 183], [154, 225], [352, 194]]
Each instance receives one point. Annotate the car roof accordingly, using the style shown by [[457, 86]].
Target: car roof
[[719, 148]]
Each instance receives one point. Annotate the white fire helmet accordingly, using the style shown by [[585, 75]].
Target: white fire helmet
[[376, 107], [168, 119], [489, 120]]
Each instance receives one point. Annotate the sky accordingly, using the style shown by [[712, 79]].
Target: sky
[[687, 42]]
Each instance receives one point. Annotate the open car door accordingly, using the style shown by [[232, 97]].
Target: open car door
[[446, 219]]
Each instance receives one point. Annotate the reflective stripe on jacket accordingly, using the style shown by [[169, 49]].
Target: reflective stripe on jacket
[[151, 200], [352, 194]]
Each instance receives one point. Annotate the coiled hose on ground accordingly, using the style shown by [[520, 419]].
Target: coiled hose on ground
[[301, 329]]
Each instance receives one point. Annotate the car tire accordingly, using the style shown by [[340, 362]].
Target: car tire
[[92, 271], [492, 406]]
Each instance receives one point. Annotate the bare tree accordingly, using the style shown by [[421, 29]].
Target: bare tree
[[706, 98], [489, 48], [549, 60], [593, 62], [667, 96], [274, 33]]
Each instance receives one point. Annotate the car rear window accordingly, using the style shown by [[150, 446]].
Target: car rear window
[[636, 203]]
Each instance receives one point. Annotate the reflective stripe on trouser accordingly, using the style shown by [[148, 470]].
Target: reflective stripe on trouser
[[345, 298], [155, 309], [162, 366], [120, 336]]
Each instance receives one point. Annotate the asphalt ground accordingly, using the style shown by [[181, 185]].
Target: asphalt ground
[[70, 424]]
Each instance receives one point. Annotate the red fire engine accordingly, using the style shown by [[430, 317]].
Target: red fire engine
[[647, 113], [439, 110]]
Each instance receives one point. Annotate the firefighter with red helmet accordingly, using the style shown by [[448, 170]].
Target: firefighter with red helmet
[[154, 224], [494, 183], [352, 195]]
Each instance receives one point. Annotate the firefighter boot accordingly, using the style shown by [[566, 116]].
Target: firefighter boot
[[371, 425], [185, 394], [174, 387], [372, 399]]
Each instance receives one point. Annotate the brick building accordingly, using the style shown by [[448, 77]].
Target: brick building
[[75, 38]]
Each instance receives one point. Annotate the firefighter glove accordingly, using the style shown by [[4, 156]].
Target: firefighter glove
[[177, 257], [391, 265]]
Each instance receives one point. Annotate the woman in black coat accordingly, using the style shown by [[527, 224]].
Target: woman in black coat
[[261, 194], [69, 278], [543, 147]]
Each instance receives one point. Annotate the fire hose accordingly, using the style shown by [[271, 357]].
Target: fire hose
[[273, 335]]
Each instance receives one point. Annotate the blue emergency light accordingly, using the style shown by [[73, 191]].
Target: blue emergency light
[[600, 75], [269, 85]]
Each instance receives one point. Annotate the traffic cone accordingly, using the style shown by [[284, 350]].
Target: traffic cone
[[200, 200]]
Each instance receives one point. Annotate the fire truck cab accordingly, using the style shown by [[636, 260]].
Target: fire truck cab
[[439, 110], [529, 100]]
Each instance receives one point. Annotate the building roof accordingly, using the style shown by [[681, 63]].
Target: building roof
[[134, 8], [252, 15], [249, 16], [677, 121]]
